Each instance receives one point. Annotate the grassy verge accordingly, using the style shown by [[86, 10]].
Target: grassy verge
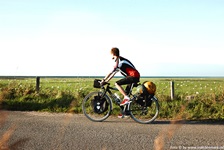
[[194, 98]]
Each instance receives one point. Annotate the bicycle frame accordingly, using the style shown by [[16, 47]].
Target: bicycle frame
[[140, 112], [108, 89]]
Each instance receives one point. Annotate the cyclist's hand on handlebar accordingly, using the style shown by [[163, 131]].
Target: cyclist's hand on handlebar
[[102, 82]]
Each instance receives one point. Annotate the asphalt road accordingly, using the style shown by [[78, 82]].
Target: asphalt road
[[60, 131]]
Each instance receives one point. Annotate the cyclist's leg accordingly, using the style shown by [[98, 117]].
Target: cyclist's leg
[[125, 81], [119, 84], [127, 89], [131, 80]]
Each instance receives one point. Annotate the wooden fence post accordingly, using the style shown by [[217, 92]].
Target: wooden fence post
[[37, 84], [172, 90]]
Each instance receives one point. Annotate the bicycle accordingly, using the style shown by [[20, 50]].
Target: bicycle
[[97, 106]]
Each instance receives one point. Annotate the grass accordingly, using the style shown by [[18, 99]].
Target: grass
[[201, 98]]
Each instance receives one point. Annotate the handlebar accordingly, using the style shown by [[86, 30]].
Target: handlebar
[[104, 83], [97, 84]]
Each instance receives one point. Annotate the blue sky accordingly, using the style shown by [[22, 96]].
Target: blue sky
[[74, 37]]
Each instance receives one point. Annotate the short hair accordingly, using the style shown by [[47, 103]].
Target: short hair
[[115, 51]]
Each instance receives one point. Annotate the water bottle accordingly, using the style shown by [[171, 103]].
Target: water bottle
[[117, 98]]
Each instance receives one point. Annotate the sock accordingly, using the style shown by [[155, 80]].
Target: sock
[[126, 97]]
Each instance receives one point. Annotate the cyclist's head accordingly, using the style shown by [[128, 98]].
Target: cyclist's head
[[115, 51]]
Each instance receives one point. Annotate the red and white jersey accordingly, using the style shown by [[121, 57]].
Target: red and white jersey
[[125, 67]]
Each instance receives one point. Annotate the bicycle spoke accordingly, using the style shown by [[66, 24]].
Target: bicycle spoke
[[144, 114], [96, 110]]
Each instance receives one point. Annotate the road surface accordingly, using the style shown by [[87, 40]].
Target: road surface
[[63, 131]]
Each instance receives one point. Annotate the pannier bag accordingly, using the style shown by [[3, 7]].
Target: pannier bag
[[150, 87], [99, 104], [144, 100], [146, 91], [147, 88], [96, 83]]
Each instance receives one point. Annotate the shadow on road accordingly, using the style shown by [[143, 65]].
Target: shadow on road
[[164, 122], [191, 122]]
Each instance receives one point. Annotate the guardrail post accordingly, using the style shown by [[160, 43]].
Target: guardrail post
[[37, 84], [172, 90]]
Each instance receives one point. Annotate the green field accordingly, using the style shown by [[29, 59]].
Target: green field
[[195, 98]]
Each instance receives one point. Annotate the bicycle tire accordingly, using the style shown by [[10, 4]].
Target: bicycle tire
[[144, 114], [88, 109]]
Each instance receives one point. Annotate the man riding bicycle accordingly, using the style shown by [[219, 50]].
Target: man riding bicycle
[[127, 69]]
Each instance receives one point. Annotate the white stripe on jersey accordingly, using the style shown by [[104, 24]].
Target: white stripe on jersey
[[125, 62]]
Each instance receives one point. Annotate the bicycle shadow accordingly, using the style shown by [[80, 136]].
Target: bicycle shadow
[[167, 122], [190, 122]]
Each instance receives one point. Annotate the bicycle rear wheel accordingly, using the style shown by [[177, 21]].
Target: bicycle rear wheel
[[144, 114], [96, 110]]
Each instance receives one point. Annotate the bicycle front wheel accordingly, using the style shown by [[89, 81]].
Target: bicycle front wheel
[[97, 107], [144, 114]]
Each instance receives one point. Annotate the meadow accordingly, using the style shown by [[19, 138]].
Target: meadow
[[194, 98]]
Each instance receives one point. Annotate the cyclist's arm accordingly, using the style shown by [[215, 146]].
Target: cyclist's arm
[[113, 72], [110, 75]]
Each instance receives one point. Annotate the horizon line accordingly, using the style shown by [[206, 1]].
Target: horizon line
[[9, 77]]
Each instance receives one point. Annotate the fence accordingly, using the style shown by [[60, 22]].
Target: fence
[[171, 87], [38, 78]]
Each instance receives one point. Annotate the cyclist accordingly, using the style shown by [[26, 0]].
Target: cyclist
[[127, 69]]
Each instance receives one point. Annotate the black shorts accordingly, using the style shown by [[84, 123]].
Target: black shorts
[[127, 80]]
